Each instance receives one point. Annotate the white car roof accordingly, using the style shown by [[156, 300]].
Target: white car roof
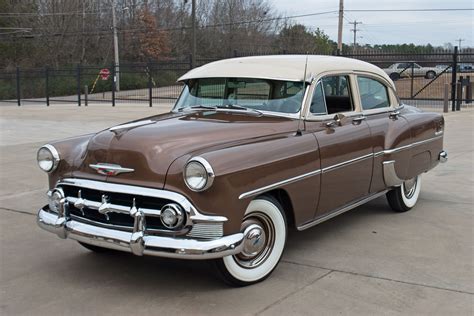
[[280, 67]]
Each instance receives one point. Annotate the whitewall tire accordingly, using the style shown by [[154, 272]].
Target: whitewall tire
[[404, 197], [266, 228]]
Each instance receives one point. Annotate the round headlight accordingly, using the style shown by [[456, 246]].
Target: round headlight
[[198, 174], [48, 158], [171, 215], [55, 200]]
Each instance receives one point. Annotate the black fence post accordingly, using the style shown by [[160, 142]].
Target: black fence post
[[412, 78], [46, 84], [18, 89], [113, 84], [150, 86], [78, 75], [453, 78]]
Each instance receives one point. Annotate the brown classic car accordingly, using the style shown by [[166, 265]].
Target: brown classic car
[[254, 146]]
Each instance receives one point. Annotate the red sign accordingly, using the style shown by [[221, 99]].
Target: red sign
[[104, 74]]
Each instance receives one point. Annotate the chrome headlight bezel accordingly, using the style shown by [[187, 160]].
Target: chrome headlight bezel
[[54, 157], [206, 170]]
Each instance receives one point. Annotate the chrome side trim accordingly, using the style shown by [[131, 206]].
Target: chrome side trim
[[394, 150], [348, 162], [278, 184], [439, 133], [341, 210], [392, 179], [390, 175], [303, 176]]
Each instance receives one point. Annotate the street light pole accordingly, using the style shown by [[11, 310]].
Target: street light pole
[[116, 51]]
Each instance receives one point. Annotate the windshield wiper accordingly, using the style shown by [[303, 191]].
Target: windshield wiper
[[238, 107], [207, 107]]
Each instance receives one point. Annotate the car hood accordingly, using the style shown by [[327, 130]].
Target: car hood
[[150, 145]]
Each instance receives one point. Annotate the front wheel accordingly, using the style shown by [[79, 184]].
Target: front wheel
[[404, 197], [264, 242]]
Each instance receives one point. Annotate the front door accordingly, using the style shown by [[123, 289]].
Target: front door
[[344, 141]]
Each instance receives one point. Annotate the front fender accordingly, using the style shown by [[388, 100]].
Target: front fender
[[246, 167], [71, 152]]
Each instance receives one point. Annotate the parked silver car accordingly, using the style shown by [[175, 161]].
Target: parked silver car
[[400, 70]]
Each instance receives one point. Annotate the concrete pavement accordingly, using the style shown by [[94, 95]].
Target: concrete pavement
[[367, 261]]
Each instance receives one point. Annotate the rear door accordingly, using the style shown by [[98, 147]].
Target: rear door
[[345, 142]]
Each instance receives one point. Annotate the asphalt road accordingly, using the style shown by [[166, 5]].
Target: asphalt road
[[367, 261]]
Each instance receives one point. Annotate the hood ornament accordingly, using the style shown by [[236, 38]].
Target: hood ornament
[[110, 169]]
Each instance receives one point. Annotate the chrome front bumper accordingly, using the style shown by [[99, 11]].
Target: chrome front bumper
[[138, 242]]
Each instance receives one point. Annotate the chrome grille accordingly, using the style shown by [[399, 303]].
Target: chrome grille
[[112, 208], [207, 231]]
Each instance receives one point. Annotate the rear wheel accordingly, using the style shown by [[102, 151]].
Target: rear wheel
[[430, 75], [265, 240], [394, 76], [404, 197]]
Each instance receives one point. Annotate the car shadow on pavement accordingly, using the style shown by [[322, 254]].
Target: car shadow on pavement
[[151, 273]]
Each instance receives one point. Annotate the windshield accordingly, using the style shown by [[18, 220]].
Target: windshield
[[242, 93]]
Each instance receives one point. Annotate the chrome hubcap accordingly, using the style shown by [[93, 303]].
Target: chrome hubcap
[[254, 241], [259, 240], [409, 187]]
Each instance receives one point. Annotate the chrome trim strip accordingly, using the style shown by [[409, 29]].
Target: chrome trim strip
[[341, 210], [397, 149], [439, 133], [390, 176], [278, 184], [348, 162], [119, 128], [333, 167]]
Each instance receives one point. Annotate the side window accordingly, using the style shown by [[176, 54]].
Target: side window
[[373, 94], [337, 94], [318, 104]]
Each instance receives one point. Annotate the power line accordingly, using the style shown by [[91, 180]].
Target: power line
[[410, 10], [141, 30]]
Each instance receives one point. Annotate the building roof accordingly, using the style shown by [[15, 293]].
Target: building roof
[[280, 67]]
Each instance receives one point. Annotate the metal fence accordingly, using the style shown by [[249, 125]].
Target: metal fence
[[425, 80]]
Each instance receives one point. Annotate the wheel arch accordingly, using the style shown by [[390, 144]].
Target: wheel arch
[[282, 196]]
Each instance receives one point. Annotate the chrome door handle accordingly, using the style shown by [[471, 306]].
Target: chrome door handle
[[394, 115], [357, 120]]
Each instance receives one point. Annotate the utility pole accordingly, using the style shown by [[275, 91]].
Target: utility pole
[[355, 23], [116, 51], [339, 27], [459, 40], [193, 49]]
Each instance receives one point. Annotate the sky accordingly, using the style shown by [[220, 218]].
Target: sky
[[436, 28]]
